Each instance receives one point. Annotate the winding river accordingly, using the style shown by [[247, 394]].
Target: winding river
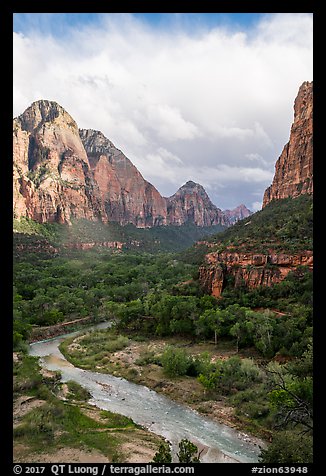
[[155, 412]]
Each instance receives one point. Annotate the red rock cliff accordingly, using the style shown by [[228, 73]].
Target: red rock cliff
[[52, 177], [250, 269], [62, 173], [294, 168], [126, 195]]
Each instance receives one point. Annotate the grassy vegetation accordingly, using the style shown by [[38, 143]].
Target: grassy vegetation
[[56, 423], [92, 350], [77, 392], [283, 225]]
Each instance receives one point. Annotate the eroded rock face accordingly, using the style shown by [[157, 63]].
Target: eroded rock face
[[52, 177], [192, 204], [250, 269], [294, 168], [127, 196], [63, 173]]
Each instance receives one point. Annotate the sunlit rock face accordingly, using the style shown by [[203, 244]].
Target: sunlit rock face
[[294, 168], [249, 269], [63, 173], [126, 195], [53, 181]]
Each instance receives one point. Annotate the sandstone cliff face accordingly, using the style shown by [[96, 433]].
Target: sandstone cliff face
[[191, 204], [127, 196], [52, 176], [294, 168], [63, 173], [250, 269]]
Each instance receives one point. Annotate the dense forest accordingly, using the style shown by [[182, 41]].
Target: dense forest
[[268, 379]]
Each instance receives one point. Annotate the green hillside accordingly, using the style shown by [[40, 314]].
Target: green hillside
[[28, 233], [282, 226]]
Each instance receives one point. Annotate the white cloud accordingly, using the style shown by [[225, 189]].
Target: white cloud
[[255, 206], [169, 124], [213, 106]]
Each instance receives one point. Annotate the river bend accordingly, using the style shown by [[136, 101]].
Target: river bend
[[155, 412]]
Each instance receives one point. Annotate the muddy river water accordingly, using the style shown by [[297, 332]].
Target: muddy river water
[[153, 411]]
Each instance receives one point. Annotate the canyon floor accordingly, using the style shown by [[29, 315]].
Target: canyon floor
[[132, 363]]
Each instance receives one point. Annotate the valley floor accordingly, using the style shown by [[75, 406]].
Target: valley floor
[[133, 363]]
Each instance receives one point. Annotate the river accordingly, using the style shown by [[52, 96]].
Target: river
[[153, 411]]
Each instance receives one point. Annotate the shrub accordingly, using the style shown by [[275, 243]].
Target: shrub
[[146, 358], [188, 452], [288, 447], [175, 362], [77, 392]]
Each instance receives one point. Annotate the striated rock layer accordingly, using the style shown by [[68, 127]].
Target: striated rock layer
[[294, 168], [251, 270], [63, 173]]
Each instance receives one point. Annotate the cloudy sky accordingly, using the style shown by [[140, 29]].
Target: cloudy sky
[[202, 97]]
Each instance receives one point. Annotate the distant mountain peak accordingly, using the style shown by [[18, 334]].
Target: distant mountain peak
[[64, 173], [191, 203], [238, 213], [191, 183]]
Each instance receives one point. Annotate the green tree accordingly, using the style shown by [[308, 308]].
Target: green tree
[[175, 361], [188, 452], [264, 333], [163, 455], [211, 321], [291, 397]]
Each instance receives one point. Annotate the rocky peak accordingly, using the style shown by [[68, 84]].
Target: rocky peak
[[52, 176], [192, 204], [126, 195], [62, 172], [194, 188], [294, 168], [41, 112], [238, 213]]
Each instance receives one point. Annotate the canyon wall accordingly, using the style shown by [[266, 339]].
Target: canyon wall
[[294, 168], [63, 173], [249, 269], [293, 177]]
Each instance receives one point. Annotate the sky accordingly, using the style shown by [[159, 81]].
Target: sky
[[186, 96]]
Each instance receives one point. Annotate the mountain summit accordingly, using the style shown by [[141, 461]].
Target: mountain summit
[[192, 204], [63, 173]]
